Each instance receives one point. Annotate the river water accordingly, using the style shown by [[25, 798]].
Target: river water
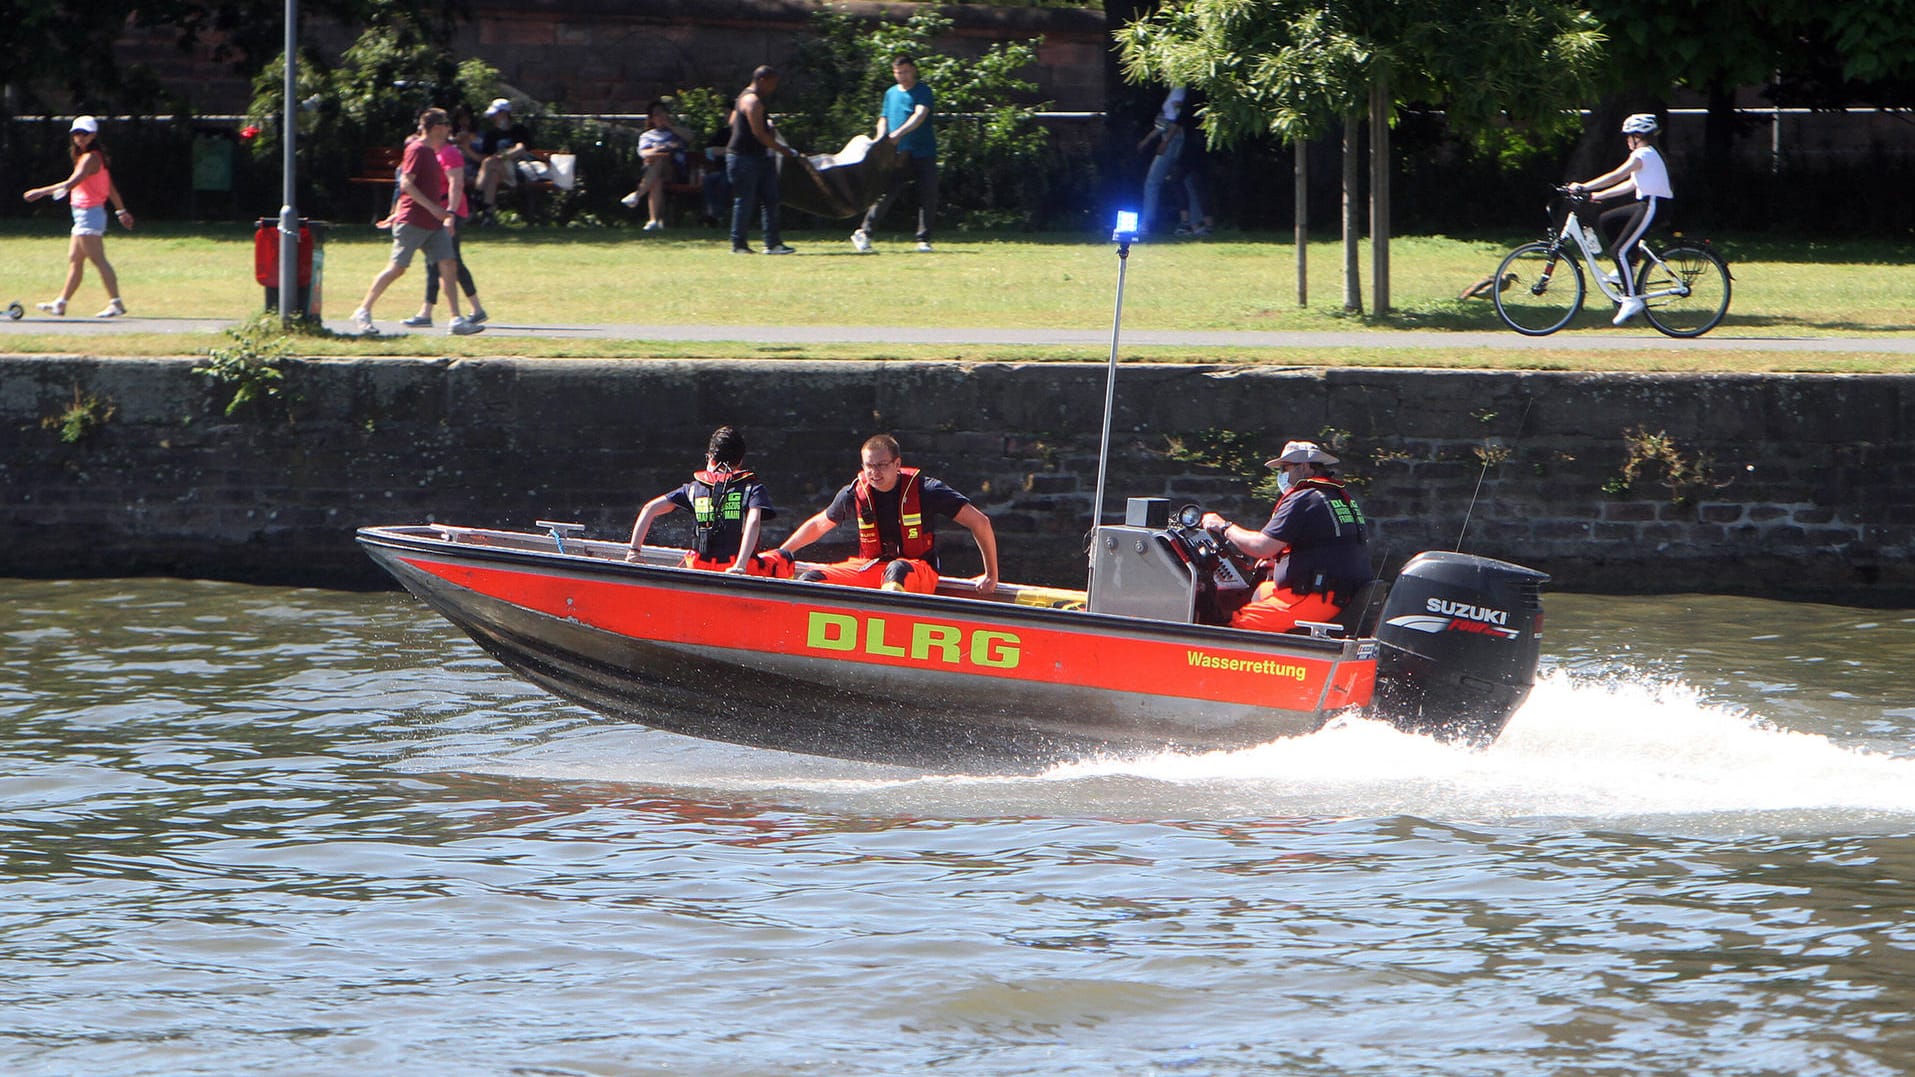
[[258, 830]]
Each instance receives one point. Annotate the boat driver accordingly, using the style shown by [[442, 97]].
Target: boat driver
[[894, 506], [728, 505], [1317, 541]]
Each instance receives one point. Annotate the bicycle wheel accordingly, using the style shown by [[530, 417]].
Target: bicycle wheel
[[1539, 288], [1700, 286]]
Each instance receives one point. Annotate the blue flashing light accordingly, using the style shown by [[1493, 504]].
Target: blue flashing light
[[1126, 229]]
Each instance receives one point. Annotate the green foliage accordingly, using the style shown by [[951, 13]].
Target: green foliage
[[74, 46], [371, 97], [990, 148], [1834, 48], [1230, 451], [82, 418], [1291, 68], [253, 365], [700, 109], [1658, 456]]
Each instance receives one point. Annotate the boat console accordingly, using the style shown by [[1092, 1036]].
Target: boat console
[[1166, 567]]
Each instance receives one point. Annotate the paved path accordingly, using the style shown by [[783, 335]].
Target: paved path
[[1098, 338]]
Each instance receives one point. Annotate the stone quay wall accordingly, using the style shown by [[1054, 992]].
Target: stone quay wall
[[1796, 486]]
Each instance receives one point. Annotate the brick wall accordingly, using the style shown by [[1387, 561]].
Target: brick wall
[[1792, 485]]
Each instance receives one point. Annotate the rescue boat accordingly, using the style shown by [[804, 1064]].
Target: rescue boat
[[955, 680]]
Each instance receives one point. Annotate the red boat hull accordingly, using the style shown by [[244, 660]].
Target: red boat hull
[[932, 681]]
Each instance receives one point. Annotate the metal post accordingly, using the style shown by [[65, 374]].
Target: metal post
[[1123, 239], [1303, 222], [288, 212]]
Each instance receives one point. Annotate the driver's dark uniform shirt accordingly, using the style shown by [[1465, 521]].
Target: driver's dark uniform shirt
[[934, 497], [725, 540], [1308, 523]]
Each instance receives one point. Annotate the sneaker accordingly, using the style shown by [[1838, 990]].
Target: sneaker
[[362, 321], [781, 249], [463, 327], [742, 250], [654, 226], [114, 309], [478, 315], [57, 308], [1631, 307], [630, 201], [924, 246], [1614, 280], [861, 241], [419, 321]]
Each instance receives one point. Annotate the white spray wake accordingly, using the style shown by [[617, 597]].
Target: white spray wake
[[1612, 751]]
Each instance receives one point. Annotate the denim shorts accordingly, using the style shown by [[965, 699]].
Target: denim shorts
[[407, 238], [90, 221]]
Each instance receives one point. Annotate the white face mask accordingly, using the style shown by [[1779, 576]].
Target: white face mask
[[1283, 483]]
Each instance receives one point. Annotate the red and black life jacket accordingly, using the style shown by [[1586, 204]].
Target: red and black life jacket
[[914, 539]]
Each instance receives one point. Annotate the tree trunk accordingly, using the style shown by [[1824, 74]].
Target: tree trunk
[[1718, 156], [1380, 197], [1352, 225], [1303, 222]]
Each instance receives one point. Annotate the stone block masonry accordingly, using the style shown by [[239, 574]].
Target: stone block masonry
[[1798, 486]]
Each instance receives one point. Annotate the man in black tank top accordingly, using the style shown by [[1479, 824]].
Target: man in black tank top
[[749, 163]]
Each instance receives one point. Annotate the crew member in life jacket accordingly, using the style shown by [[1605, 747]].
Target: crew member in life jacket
[[1317, 537], [894, 506], [728, 506]]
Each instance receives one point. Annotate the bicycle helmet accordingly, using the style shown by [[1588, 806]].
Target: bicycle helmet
[[1642, 123]]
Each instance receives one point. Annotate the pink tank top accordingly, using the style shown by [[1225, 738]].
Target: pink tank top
[[92, 191]]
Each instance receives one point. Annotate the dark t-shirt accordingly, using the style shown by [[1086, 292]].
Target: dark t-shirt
[[725, 539], [1324, 555], [494, 140], [935, 498]]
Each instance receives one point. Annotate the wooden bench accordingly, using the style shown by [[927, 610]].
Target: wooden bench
[[379, 171]]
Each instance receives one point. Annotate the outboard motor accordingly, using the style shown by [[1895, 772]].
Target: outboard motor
[[1460, 637]]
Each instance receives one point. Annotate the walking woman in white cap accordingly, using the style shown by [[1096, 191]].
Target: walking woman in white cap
[[91, 188], [1317, 539]]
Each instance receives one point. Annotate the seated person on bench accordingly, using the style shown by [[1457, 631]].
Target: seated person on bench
[[505, 157], [1317, 538]]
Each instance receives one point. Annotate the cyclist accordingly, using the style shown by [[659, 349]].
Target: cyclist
[[1645, 175]]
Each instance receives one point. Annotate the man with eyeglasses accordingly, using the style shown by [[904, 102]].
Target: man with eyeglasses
[[420, 221], [894, 506], [1317, 540]]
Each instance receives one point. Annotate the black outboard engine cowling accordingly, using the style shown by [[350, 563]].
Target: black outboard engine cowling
[[1460, 636]]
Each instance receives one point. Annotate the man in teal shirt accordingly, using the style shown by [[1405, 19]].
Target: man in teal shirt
[[906, 121]]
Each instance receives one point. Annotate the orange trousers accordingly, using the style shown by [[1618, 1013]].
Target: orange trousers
[[921, 578], [774, 563], [1278, 609]]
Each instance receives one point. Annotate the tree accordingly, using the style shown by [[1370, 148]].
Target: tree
[[1824, 53], [1293, 69], [371, 95], [989, 143], [68, 45]]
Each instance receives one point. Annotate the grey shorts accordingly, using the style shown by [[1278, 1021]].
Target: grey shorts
[[406, 238]]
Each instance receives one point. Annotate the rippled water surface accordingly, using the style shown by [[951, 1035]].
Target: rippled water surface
[[253, 830]]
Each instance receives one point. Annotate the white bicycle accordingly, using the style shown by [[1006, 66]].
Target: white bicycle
[[1540, 286]]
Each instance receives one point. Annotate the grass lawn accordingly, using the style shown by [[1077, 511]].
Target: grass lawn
[[688, 277]]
